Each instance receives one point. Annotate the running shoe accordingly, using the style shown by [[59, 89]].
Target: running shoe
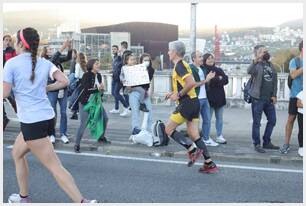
[[15, 198], [125, 112], [89, 201], [209, 168], [285, 149], [64, 139], [52, 139], [114, 111], [193, 156], [211, 142], [220, 139]]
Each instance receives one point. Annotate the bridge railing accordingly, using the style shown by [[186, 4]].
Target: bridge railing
[[162, 84]]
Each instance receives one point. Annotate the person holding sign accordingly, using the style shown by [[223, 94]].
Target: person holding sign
[[135, 97], [129, 78]]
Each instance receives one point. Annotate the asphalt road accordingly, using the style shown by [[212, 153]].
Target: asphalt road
[[122, 179]]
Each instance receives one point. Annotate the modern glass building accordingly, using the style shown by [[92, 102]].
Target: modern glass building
[[95, 45]]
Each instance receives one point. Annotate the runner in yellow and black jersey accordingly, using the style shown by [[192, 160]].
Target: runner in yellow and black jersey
[[188, 109]]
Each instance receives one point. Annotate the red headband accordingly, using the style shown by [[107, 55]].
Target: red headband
[[23, 40]]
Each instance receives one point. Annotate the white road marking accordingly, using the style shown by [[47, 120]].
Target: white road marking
[[174, 161]]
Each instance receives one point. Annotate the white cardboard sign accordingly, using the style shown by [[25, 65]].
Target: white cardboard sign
[[135, 75]]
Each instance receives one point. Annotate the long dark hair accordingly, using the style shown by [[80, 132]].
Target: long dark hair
[[90, 64], [30, 39], [143, 56], [301, 46], [81, 59], [125, 56], [205, 57], [44, 52]]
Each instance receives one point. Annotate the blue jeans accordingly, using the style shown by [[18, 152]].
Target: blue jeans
[[219, 119], [205, 114], [113, 93], [52, 96], [116, 87], [259, 106], [134, 98]]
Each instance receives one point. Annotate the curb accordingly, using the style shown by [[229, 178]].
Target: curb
[[113, 149]]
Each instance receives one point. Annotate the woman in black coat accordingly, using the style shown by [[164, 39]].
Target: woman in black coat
[[216, 93], [91, 83]]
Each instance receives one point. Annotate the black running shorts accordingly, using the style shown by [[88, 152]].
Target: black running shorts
[[187, 110], [37, 130], [293, 110]]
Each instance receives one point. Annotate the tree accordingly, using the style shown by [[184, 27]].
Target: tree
[[156, 62], [282, 58], [106, 61]]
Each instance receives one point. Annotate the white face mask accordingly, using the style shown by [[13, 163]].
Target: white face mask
[[146, 63]]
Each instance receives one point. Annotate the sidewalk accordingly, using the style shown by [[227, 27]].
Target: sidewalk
[[236, 129]]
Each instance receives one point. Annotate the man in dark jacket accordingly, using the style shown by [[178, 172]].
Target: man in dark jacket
[[263, 92], [116, 84], [8, 53]]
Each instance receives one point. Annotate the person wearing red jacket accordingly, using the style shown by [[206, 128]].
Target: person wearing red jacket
[[8, 50]]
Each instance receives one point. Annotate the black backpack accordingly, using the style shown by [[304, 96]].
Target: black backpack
[[289, 80], [160, 138], [246, 91]]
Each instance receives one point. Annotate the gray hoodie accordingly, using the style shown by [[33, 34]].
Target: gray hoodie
[[256, 71]]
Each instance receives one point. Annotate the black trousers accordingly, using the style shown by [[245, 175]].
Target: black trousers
[[300, 134]]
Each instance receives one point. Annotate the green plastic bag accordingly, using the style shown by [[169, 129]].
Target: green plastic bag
[[95, 121]]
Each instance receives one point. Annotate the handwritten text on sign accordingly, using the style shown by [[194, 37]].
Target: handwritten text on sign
[[135, 75]]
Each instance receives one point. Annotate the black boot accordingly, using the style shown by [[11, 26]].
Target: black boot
[[103, 140], [143, 107], [77, 148], [74, 116]]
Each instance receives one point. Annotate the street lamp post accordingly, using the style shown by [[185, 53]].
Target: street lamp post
[[193, 29]]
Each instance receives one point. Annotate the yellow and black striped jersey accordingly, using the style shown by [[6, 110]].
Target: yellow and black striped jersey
[[180, 72]]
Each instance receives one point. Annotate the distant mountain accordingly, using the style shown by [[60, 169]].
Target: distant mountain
[[210, 32], [293, 24], [42, 20], [48, 20]]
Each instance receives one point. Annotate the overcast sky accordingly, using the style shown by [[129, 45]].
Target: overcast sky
[[225, 15]]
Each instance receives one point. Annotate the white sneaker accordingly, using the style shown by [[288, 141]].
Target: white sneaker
[[114, 111], [15, 198], [64, 139], [211, 142], [90, 201], [221, 140], [52, 139], [125, 112], [300, 151]]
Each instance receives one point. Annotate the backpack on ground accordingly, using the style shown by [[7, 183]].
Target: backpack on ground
[[246, 91], [160, 138], [298, 65]]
